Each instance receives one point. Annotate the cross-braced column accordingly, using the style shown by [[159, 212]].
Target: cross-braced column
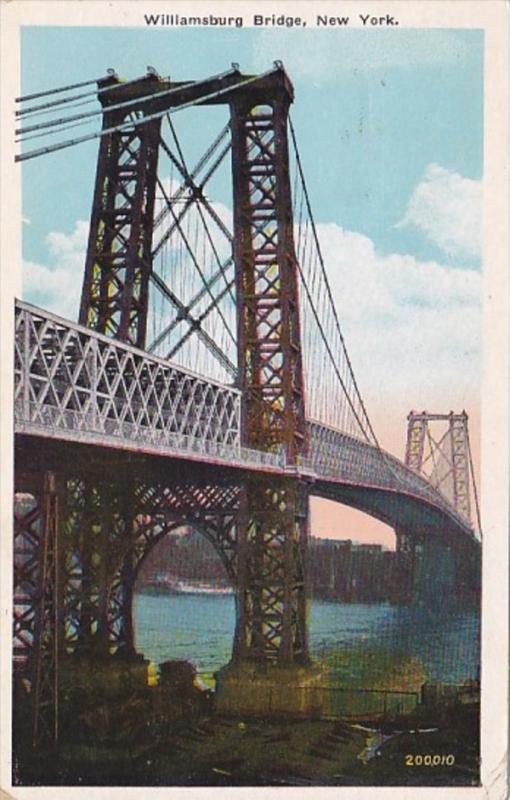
[[118, 264], [460, 463], [272, 536], [47, 621], [157, 509], [272, 573], [416, 430], [96, 523], [26, 557], [269, 343]]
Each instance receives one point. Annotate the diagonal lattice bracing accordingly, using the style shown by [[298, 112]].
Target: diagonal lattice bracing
[[192, 316], [72, 383], [272, 573], [27, 566], [355, 462], [118, 263], [211, 508], [106, 524], [266, 278], [438, 448], [37, 598], [70, 379]]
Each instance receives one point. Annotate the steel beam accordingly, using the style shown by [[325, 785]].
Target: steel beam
[[158, 508]]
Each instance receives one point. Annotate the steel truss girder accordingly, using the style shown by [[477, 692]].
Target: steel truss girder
[[118, 263], [106, 526], [69, 379], [272, 572], [212, 509], [269, 341]]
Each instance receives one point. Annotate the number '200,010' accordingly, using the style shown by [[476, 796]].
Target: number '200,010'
[[429, 760]]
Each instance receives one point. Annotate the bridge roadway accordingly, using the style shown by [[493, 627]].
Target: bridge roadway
[[74, 385]]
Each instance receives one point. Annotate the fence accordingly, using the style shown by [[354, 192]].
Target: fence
[[328, 702]]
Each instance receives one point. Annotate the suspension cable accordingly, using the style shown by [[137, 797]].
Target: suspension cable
[[326, 281], [328, 349], [194, 260], [201, 333], [194, 300], [189, 182], [136, 102], [200, 197], [61, 129], [59, 89], [72, 104]]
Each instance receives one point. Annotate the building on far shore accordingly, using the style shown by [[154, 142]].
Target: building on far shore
[[340, 570], [352, 573]]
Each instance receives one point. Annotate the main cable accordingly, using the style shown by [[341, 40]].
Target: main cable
[[110, 88], [60, 89]]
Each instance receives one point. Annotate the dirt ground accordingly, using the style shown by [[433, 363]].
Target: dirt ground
[[211, 750]]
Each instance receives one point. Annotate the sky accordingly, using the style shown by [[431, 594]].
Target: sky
[[390, 131]]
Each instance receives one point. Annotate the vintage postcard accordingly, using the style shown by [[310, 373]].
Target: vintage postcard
[[254, 288]]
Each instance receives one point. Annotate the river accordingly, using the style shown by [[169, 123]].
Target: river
[[380, 644]]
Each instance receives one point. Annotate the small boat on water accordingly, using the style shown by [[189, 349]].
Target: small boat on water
[[169, 585]]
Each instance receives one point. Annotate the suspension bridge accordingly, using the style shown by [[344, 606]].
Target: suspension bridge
[[207, 381]]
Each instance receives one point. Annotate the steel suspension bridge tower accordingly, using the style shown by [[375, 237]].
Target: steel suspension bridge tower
[[272, 522]]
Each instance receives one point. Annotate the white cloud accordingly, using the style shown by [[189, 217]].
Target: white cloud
[[352, 50], [412, 327], [447, 207], [57, 286], [68, 248]]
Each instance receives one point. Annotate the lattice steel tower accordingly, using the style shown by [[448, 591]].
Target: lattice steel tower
[[272, 531], [438, 447]]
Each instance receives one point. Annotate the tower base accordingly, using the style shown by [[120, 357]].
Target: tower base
[[256, 690]]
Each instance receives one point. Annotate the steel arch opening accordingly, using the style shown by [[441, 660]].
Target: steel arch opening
[[184, 603]]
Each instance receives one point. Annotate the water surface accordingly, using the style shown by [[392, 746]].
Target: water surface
[[381, 644]]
